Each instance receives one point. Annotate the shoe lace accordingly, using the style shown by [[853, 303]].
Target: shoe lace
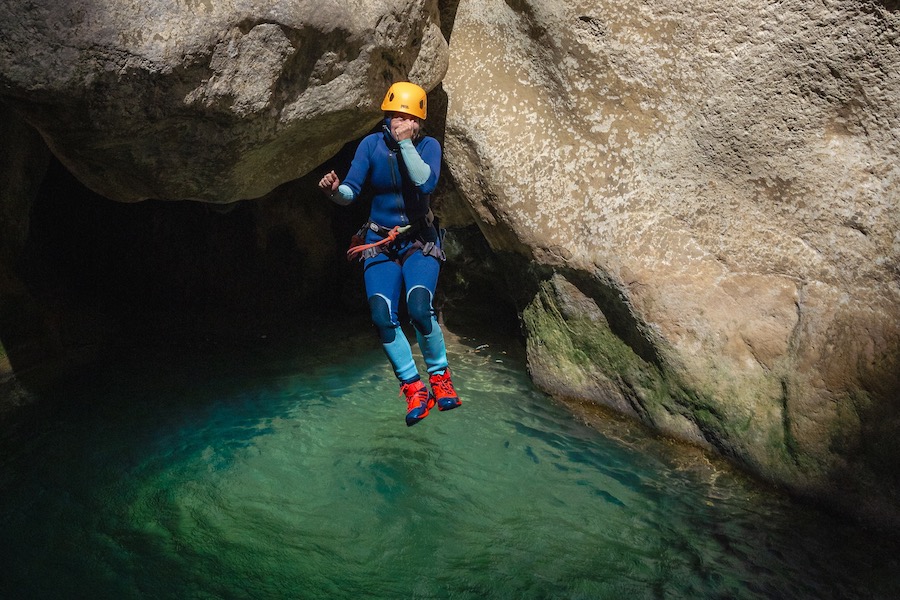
[[415, 395], [443, 386]]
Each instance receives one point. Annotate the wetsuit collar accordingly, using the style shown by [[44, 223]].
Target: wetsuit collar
[[389, 139]]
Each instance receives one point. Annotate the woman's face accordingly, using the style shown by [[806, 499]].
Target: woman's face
[[404, 126]]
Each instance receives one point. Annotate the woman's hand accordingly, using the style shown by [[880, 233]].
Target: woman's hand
[[329, 184], [404, 128]]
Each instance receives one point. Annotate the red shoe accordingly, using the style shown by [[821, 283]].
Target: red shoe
[[418, 401], [443, 391]]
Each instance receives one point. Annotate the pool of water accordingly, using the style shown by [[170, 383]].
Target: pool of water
[[285, 470]]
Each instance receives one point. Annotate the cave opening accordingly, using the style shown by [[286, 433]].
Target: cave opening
[[101, 274]]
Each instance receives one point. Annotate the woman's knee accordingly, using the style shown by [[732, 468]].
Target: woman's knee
[[421, 311], [382, 318]]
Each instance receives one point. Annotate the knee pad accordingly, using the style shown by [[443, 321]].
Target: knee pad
[[381, 318], [418, 303]]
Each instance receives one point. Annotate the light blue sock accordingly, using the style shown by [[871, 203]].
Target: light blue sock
[[400, 355], [433, 349]]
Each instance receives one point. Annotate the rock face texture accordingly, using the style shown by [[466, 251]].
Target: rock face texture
[[213, 100], [713, 190]]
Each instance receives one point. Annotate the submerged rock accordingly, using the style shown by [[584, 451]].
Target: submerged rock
[[720, 181], [213, 100]]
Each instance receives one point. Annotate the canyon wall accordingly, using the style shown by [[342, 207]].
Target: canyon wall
[[714, 192]]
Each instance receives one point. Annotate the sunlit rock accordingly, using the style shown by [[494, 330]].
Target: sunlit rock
[[214, 100], [724, 179]]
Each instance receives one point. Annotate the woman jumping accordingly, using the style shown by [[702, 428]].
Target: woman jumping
[[400, 246]]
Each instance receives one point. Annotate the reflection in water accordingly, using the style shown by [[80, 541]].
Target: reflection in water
[[288, 472]]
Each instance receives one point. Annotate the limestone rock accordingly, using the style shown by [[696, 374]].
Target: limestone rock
[[215, 100], [729, 174]]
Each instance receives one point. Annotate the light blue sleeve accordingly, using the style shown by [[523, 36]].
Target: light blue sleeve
[[343, 196], [419, 171]]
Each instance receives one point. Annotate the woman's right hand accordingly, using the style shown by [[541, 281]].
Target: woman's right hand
[[329, 183]]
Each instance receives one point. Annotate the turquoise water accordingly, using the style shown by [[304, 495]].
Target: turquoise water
[[286, 471]]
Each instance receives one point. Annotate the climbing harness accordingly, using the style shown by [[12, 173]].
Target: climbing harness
[[361, 250], [365, 250]]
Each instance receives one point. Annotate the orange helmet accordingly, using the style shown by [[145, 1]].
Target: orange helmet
[[406, 97]]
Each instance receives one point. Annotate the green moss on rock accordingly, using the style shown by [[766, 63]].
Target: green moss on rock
[[575, 353]]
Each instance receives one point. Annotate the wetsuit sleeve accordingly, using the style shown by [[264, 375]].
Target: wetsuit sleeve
[[343, 195], [418, 169], [427, 154], [352, 185]]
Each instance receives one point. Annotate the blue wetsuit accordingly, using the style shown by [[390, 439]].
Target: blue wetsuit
[[401, 177]]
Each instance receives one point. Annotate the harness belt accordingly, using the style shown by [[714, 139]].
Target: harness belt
[[390, 236]]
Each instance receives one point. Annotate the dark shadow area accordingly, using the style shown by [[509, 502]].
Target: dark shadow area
[[178, 265], [448, 10], [474, 292], [102, 276]]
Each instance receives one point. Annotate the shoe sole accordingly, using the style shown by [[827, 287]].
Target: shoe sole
[[456, 404], [410, 421]]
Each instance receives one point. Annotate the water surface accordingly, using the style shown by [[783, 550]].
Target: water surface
[[285, 470]]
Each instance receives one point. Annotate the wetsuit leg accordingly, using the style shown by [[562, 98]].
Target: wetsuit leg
[[420, 274], [384, 280]]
